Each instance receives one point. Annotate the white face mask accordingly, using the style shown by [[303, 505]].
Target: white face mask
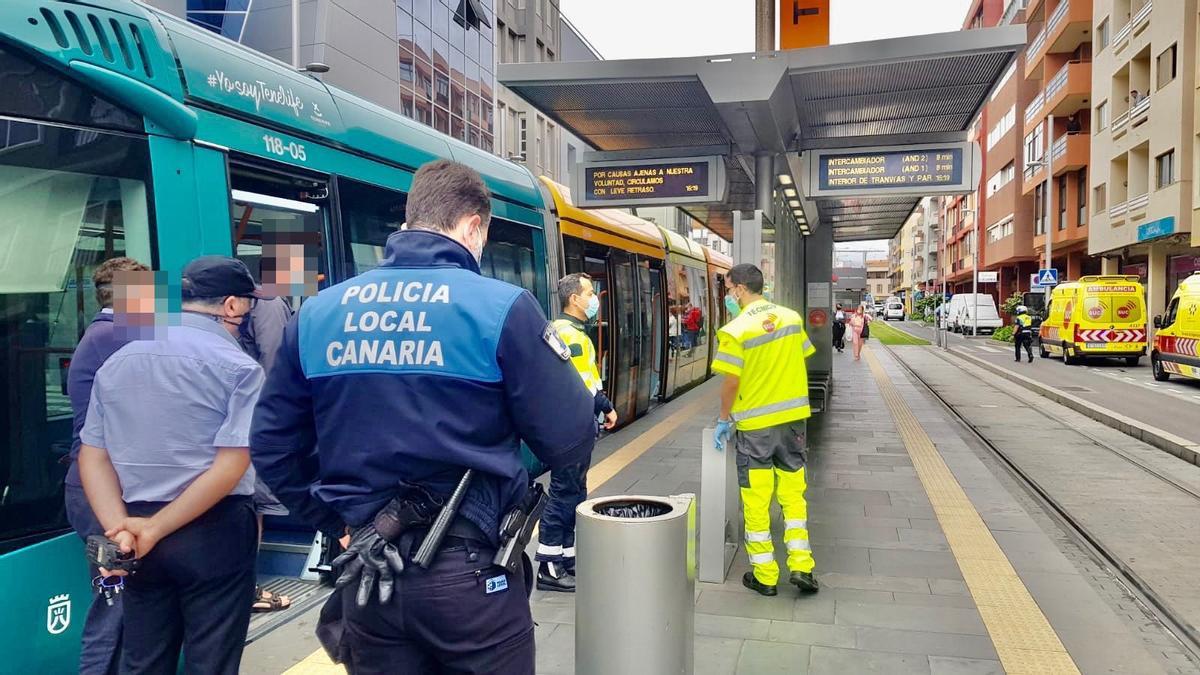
[[477, 249]]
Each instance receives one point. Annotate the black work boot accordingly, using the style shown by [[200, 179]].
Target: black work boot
[[805, 581], [553, 576], [752, 582]]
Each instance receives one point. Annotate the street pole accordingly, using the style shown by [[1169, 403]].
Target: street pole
[[941, 319], [1046, 197], [296, 34], [974, 280]]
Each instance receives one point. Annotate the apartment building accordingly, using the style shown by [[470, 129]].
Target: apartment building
[[1144, 140], [879, 283], [1057, 135], [902, 257]]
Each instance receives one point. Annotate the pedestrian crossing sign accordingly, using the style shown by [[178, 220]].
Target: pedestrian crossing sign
[[1047, 277]]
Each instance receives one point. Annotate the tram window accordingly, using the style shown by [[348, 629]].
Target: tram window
[[509, 257], [370, 214], [72, 199], [275, 206], [37, 92]]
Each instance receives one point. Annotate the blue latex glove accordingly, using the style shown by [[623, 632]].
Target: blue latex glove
[[723, 433]]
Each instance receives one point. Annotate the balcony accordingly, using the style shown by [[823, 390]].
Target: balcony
[[1071, 153], [1120, 125], [1070, 89], [1121, 38], [1137, 205], [1140, 112], [1068, 26], [1142, 18], [1116, 212], [1034, 109]]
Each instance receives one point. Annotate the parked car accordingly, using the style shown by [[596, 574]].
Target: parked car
[[894, 310], [1098, 315], [878, 309], [1178, 334]]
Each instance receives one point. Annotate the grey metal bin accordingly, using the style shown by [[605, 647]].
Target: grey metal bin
[[635, 588]]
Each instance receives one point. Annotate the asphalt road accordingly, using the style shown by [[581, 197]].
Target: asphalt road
[[1173, 406]]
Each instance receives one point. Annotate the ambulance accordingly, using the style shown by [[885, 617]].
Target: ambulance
[[1178, 335], [1097, 316]]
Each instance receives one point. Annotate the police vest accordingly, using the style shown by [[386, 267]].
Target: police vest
[[765, 346], [583, 353], [1023, 322]]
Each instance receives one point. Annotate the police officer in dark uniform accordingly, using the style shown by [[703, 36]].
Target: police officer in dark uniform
[[402, 379]]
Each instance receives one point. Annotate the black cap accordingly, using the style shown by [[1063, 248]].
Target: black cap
[[218, 276]]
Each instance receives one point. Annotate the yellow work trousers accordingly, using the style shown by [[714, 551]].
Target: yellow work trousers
[[788, 487]]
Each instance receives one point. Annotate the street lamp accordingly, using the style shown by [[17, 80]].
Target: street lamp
[[1047, 162], [974, 271]]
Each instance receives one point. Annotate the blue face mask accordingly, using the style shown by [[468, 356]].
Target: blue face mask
[[593, 307], [732, 306]]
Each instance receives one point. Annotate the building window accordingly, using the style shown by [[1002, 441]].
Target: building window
[[1001, 178], [1033, 146], [522, 135], [1004, 80], [1102, 35], [1102, 116], [1039, 209], [1166, 169], [1099, 198], [1002, 127], [1062, 203], [1081, 196], [1165, 65]]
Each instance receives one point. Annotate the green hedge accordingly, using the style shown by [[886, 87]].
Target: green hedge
[[1003, 334]]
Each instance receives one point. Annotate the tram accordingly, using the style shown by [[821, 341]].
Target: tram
[[127, 131]]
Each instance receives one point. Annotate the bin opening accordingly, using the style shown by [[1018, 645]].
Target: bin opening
[[632, 508]]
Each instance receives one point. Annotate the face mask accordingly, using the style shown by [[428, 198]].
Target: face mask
[[477, 251], [732, 306], [593, 307]]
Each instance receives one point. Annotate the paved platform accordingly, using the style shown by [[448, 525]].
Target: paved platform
[[931, 558]]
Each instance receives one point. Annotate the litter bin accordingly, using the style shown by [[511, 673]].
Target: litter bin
[[635, 585]]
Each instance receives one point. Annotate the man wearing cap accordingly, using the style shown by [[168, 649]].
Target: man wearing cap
[[165, 464]]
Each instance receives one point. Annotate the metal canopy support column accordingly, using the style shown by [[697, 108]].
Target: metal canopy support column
[[818, 312], [747, 237]]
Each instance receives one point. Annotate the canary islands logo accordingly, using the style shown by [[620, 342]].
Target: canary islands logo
[[58, 614]]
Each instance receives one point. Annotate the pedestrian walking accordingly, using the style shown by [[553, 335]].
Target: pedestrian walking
[[405, 391], [764, 396], [165, 463], [1023, 333], [568, 485], [101, 647], [859, 330], [839, 329]]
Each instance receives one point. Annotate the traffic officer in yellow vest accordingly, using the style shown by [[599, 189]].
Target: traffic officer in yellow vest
[[764, 395], [568, 485], [1023, 332]]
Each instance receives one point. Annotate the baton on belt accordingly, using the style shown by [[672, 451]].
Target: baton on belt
[[437, 531]]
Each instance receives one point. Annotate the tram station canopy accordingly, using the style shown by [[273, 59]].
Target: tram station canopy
[[912, 90]]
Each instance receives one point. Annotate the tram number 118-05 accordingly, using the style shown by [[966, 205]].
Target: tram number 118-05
[[275, 145]]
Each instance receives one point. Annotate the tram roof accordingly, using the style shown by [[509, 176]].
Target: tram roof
[[921, 89], [611, 227]]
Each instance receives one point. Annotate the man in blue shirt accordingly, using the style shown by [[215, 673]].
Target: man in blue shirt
[[403, 378], [102, 628], [165, 463]]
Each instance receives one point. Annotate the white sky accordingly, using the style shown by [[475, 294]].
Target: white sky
[[630, 29]]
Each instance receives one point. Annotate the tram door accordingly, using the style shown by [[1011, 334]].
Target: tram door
[[626, 333], [648, 352]]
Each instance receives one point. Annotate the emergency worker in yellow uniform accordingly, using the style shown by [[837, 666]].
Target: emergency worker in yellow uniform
[[764, 395], [1023, 332], [568, 485]]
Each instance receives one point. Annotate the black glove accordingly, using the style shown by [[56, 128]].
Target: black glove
[[370, 559]]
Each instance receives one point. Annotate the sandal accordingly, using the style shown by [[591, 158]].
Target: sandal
[[266, 601]]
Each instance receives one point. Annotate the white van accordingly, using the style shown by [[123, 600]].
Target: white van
[[971, 311]]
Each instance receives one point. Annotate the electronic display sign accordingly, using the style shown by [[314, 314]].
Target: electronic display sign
[[917, 170], [645, 182]]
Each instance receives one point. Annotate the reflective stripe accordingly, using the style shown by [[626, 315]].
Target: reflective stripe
[[772, 408], [568, 552], [761, 558], [763, 339], [795, 524], [731, 360], [543, 549], [758, 536], [798, 545], [808, 345]]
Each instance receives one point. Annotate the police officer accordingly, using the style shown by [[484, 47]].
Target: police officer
[[764, 394], [1023, 333], [402, 379], [568, 486]]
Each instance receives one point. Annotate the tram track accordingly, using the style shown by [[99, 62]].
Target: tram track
[[1152, 602]]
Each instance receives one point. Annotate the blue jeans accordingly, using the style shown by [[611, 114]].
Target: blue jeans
[[556, 536], [101, 646]]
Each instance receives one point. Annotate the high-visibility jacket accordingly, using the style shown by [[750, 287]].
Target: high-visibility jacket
[[583, 353], [765, 346], [1023, 323]]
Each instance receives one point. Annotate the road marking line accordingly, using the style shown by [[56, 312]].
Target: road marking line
[[318, 662], [1020, 632]]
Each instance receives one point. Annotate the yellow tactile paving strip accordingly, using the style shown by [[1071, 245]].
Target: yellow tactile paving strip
[[1023, 637], [318, 663]]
